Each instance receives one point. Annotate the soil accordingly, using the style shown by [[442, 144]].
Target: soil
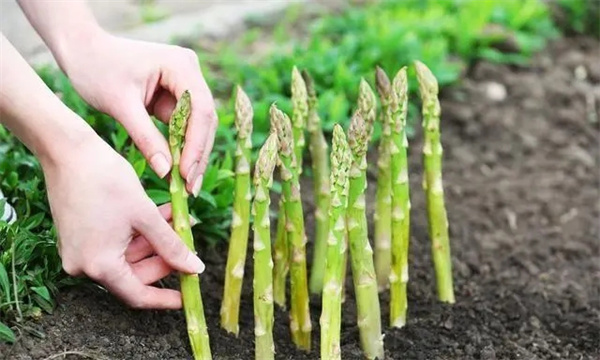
[[522, 188]]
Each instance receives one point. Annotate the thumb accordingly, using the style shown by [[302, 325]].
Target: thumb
[[148, 139], [166, 243]]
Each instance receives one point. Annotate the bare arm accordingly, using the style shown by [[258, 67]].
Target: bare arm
[[63, 25], [33, 113]]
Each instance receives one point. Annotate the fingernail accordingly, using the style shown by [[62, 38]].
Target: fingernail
[[160, 164], [192, 172], [199, 265], [197, 185]]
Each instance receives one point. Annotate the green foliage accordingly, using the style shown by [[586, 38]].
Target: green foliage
[[581, 16], [337, 50]]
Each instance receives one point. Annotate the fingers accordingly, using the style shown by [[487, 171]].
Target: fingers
[[123, 283], [166, 243], [151, 270], [180, 73], [149, 140]]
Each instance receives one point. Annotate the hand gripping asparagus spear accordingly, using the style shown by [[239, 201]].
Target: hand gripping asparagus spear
[[238, 242], [318, 148], [263, 263], [400, 201], [363, 270], [300, 323], [190, 283], [383, 193], [331, 312], [432, 184]]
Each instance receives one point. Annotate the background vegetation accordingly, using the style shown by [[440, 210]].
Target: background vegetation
[[338, 49]]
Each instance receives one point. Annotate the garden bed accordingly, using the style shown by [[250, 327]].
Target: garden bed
[[521, 178]]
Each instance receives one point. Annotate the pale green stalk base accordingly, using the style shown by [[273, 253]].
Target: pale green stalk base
[[332, 297], [383, 195], [236, 258], [281, 256], [318, 150], [400, 203], [263, 263], [300, 322], [433, 185]]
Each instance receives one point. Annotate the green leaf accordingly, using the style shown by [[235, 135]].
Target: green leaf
[[33, 221], [159, 196], [4, 283], [139, 166], [43, 292], [208, 198], [6, 334]]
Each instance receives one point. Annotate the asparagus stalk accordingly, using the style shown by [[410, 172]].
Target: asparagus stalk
[[238, 242], [383, 193], [281, 256], [299, 116], [190, 283], [300, 322], [433, 185], [366, 105], [263, 263], [363, 270], [400, 201], [320, 165], [332, 291]]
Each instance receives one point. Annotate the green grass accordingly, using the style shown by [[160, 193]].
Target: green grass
[[448, 35]]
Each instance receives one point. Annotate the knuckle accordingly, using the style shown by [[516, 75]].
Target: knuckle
[[97, 270], [189, 55], [139, 302], [71, 267]]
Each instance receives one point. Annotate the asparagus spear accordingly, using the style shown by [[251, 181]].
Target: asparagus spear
[[363, 270], [433, 185], [366, 105], [320, 165], [383, 193], [281, 256], [190, 283], [300, 323], [332, 291], [400, 201], [238, 242], [299, 116], [263, 263]]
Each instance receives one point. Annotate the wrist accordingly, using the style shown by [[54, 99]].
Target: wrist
[[67, 138], [67, 45]]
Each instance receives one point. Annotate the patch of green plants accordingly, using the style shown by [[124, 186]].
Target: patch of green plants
[[580, 16], [446, 34]]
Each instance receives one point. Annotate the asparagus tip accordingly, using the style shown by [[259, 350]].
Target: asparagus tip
[[428, 84], [358, 135], [281, 124], [382, 82], [244, 113], [267, 158]]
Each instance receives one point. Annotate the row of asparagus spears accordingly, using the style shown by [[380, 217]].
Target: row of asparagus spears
[[341, 231]]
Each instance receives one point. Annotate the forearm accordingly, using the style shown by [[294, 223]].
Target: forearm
[[63, 25], [33, 113]]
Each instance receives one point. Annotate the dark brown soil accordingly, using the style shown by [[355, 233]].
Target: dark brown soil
[[522, 187]]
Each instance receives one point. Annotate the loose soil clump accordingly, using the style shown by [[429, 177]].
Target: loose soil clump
[[522, 187]]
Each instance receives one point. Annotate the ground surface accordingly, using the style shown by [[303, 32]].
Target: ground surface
[[521, 177]]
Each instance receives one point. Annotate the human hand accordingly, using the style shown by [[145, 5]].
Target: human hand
[[110, 230], [131, 80]]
